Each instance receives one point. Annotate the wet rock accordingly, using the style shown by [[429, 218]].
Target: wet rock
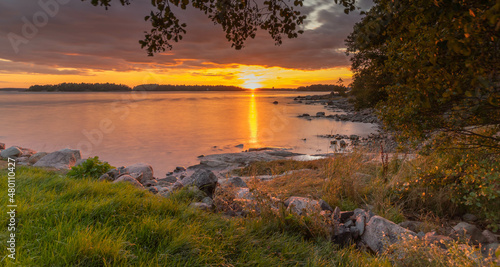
[[62, 159]]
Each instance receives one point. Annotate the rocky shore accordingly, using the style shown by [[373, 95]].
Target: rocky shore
[[214, 174]]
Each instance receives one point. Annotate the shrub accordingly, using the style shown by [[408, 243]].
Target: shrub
[[90, 168]]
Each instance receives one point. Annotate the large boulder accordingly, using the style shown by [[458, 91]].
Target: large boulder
[[12, 151], [62, 159], [303, 205], [205, 180], [128, 179], [140, 168], [380, 233], [36, 157]]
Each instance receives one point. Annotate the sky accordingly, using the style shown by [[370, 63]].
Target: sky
[[55, 41]]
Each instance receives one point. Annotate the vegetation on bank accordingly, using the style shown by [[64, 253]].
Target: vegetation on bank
[[83, 222], [80, 87]]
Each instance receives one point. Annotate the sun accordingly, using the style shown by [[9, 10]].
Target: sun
[[251, 82]]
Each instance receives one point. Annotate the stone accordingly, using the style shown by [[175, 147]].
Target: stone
[[337, 215], [320, 114], [23, 159], [380, 233], [207, 200], [439, 240], [128, 179], [470, 232], [490, 250], [142, 168], [180, 169], [237, 182], [115, 173], [342, 235], [62, 159], [239, 146], [275, 102], [303, 206], [153, 190], [244, 194], [200, 205], [205, 180], [105, 177], [177, 185], [411, 225], [169, 179], [27, 152], [2, 146], [345, 215], [490, 237], [469, 217], [80, 162], [150, 183], [360, 223], [12, 151]]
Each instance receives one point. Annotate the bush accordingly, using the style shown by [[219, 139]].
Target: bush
[[90, 168]]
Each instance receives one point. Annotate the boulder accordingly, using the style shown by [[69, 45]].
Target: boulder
[[209, 201], [380, 233], [177, 185], [62, 159], [411, 225], [237, 182], [2, 146], [344, 215], [200, 205], [141, 168], [470, 232], [180, 169], [439, 240], [320, 114], [490, 237], [128, 179], [27, 152], [36, 157], [23, 159], [205, 180], [105, 177], [12, 151], [303, 205]]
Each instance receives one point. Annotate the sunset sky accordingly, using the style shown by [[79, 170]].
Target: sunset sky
[[82, 43]]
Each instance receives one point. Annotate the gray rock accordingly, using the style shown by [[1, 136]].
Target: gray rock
[[23, 159], [80, 162], [303, 206], [354, 232], [205, 180], [239, 146], [469, 217], [200, 205], [439, 240], [237, 182], [380, 233], [470, 232], [150, 183], [128, 179], [320, 114], [153, 190], [115, 173], [244, 194], [36, 157], [142, 168], [490, 250], [209, 201], [177, 185], [342, 235], [490, 237], [180, 169], [27, 152], [411, 225], [360, 222], [12, 151], [105, 177], [2, 146], [337, 215], [169, 179], [344, 215], [62, 159]]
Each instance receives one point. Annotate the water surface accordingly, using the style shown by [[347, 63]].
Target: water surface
[[165, 129]]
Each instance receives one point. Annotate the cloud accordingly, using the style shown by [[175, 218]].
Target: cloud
[[80, 36]]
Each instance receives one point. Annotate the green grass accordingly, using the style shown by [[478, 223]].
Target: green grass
[[82, 222]]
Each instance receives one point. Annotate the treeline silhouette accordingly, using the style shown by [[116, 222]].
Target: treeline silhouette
[[170, 87], [80, 87], [323, 87]]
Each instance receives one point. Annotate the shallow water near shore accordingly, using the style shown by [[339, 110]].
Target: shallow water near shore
[[165, 129]]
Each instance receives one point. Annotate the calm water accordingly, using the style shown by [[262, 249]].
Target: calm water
[[165, 129]]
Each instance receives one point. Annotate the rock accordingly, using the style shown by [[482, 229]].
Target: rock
[[302, 205], [27, 152], [150, 183], [141, 168], [275, 102], [470, 232], [490, 237], [320, 114], [23, 159], [12, 151], [342, 235], [439, 240], [244, 194], [115, 173], [337, 215], [237, 182], [180, 169], [205, 180], [153, 190], [411, 225], [128, 179], [469, 217], [380, 233], [2, 146], [305, 115], [360, 221], [200, 205], [342, 144], [353, 137], [177, 185], [209, 201], [105, 177], [344, 215], [169, 179], [239, 146], [62, 159], [490, 250]]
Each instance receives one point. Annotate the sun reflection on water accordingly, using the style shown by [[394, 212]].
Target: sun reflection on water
[[252, 120]]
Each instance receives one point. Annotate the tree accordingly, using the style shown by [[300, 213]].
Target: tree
[[430, 66]]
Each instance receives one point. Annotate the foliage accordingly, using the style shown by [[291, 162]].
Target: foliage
[[240, 20], [91, 168], [79, 87], [433, 65], [340, 89], [451, 182], [171, 87]]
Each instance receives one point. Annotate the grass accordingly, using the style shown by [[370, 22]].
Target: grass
[[82, 222]]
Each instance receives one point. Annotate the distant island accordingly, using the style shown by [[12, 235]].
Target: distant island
[[112, 87]]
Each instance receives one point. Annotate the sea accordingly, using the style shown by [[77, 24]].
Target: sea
[[166, 129]]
